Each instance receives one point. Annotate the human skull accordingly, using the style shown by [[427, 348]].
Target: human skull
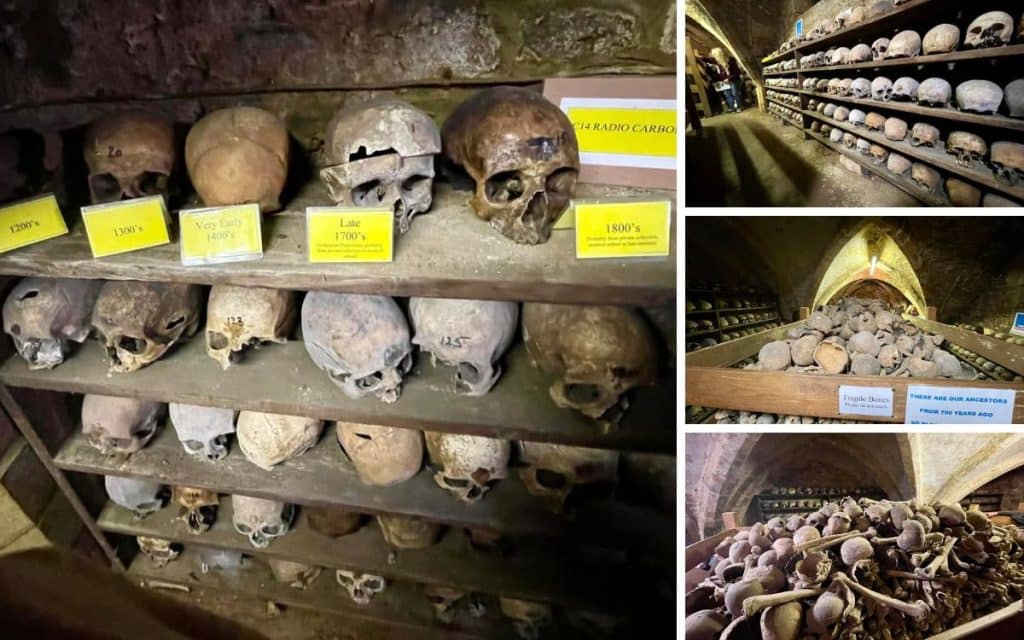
[[140, 321], [925, 177], [470, 335], [898, 164], [129, 155], [967, 147], [839, 56], [294, 574], [881, 89], [860, 53], [836, 135], [905, 89], [962, 194], [158, 550], [382, 456], [979, 96], [857, 117], [361, 341], [841, 114], [816, 128], [849, 140], [906, 44], [529, 618], [924, 135], [261, 520], [381, 154], [830, 110], [992, 29], [557, 472], [943, 38], [857, 15], [521, 151], [241, 317], [444, 601], [203, 430], [875, 121], [466, 466], [1008, 162], [880, 8], [879, 48], [896, 129], [211, 558], [860, 88], [879, 153], [407, 532], [141, 497], [934, 92], [116, 425], [45, 315], [822, 85], [268, 439], [599, 352], [332, 521], [198, 507], [361, 587], [863, 146]]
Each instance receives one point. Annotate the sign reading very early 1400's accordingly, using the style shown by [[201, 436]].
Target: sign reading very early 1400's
[[126, 225], [30, 221], [220, 234]]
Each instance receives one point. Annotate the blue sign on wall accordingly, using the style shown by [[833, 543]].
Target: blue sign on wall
[[799, 27], [1018, 324]]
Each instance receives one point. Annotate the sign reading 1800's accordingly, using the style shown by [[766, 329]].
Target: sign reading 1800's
[[622, 229], [30, 221], [959, 405], [127, 225]]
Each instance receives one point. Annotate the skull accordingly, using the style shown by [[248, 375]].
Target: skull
[[962, 194], [896, 129], [444, 600], [198, 507], [1008, 162], [261, 520], [470, 335], [240, 317], [875, 121], [836, 135], [860, 53], [843, 18], [129, 155], [898, 164], [979, 96], [839, 56], [45, 315], [1014, 96], [405, 532], [881, 89], [361, 341], [141, 497], [860, 88], [522, 153], [140, 321], [203, 430], [381, 154], [529, 617], [220, 559], [333, 522], [466, 466], [880, 8], [967, 147], [857, 117], [361, 587], [268, 439], [830, 110], [158, 550], [879, 48], [942, 39], [879, 153], [934, 92], [841, 114], [863, 146], [905, 89], [599, 352], [238, 156], [382, 456], [906, 44], [816, 128], [925, 177], [116, 425], [293, 574], [849, 140], [857, 15], [809, 85], [822, 86], [992, 29], [924, 135], [557, 472]]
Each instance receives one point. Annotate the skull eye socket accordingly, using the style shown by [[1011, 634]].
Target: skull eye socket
[[145, 430], [468, 373], [244, 528], [16, 329], [132, 345], [373, 584], [550, 479], [581, 393], [150, 183], [369, 382], [28, 295], [192, 446], [216, 340], [455, 482], [562, 181], [364, 436], [505, 186], [368, 193], [105, 187], [175, 323], [415, 182]]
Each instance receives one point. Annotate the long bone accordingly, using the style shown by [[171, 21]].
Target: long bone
[[918, 610]]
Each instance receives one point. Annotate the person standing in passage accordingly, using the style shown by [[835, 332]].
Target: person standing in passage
[[730, 70]]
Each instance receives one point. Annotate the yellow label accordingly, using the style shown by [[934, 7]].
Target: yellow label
[[30, 221], [650, 132], [129, 225], [565, 221], [350, 234], [622, 229], [220, 234]]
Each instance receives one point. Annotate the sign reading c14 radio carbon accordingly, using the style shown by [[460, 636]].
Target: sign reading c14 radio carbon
[[220, 234], [865, 401], [350, 234], [127, 225], [959, 405], [30, 221], [622, 229]]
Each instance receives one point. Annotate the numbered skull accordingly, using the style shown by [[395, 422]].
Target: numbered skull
[[294, 574], [979, 96], [905, 89], [362, 342], [898, 164], [522, 153], [197, 507], [879, 48], [925, 177], [992, 29], [881, 89], [361, 587], [467, 466], [557, 473], [129, 155], [382, 456], [238, 156], [141, 497], [242, 317], [860, 88], [1014, 97], [1008, 162], [529, 618], [203, 430], [924, 135], [381, 154], [600, 353], [405, 532], [906, 44], [332, 521], [45, 316], [268, 439], [943, 38], [158, 550], [259, 520], [969, 149], [470, 335], [116, 425], [139, 322]]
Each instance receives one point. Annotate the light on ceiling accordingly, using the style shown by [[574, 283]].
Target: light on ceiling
[[874, 263]]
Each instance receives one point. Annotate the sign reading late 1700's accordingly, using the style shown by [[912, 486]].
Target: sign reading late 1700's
[[959, 405], [622, 229], [350, 234], [127, 225], [220, 234], [30, 221]]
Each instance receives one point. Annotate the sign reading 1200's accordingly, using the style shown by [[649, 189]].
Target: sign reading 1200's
[[30, 221]]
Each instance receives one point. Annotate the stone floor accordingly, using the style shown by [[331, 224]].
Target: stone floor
[[752, 159]]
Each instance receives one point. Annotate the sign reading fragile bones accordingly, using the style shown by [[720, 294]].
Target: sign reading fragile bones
[[30, 221], [350, 234], [959, 405], [127, 225], [865, 401], [220, 234]]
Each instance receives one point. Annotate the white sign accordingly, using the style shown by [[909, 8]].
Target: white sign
[[959, 405], [865, 401], [1018, 324]]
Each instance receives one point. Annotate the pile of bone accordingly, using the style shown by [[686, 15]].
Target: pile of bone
[[858, 570], [995, 333], [864, 338], [729, 416]]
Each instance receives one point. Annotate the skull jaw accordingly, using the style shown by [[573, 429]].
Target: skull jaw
[[45, 353], [388, 389], [530, 223], [123, 361]]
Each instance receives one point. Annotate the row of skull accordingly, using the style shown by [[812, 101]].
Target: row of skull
[[791, 99], [785, 114], [726, 336], [518, 148], [363, 342]]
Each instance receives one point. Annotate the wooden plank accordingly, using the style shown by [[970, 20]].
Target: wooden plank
[[701, 550], [991, 53], [810, 394], [1015, 610], [283, 379], [731, 352], [999, 351], [449, 252]]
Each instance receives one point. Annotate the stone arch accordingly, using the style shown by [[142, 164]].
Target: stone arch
[[748, 62], [980, 459]]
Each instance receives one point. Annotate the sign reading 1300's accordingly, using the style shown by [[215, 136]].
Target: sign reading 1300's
[[127, 225], [30, 221]]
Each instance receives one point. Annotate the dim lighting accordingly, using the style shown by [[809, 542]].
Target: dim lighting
[[874, 263]]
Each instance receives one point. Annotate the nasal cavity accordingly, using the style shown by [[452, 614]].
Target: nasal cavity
[[131, 345], [536, 211]]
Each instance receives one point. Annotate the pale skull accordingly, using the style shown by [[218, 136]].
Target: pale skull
[[880, 8], [881, 89], [860, 53], [839, 56], [924, 135], [905, 89], [116, 425], [934, 92], [44, 316], [529, 618], [979, 96], [197, 507], [203, 430], [860, 88], [241, 317], [1014, 97], [141, 497], [361, 587], [992, 29], [906, 44], [557, 473], [466, 466], [129, 155], [968, 148], [830, 110], [260, 520], [268, 439], [836, 135], [1008, 162], [879, 48], [863, 146], [857, 117], [158, 550], [294, 574], [407, 532], [841, 114], [382, 456], [943, 38], [898, 164]]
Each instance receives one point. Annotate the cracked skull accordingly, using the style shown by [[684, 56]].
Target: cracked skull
[[268, 439], [158, 550], [557, 473], [116, 425], [361, 587], [992, 29], [203, 430], [241, 317], [261, 520], [141, 497], [197, 507], [129, 155], [382, 456], [466, 466], [405, 532], [44, 316]]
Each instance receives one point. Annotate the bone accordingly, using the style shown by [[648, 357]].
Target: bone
[[917, 610], [756, 603], [830, 541]]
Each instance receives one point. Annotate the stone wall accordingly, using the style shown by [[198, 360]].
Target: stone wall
[[1011, 485]]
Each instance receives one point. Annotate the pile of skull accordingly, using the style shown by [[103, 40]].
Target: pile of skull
[[997, 371], [858, 570], [844, 20], [995, 333], [787, 115], [791, 99], [782, 83]]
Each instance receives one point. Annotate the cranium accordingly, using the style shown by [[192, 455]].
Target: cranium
[[361, 341], [1008, 162], [198, 507], [961, 194], [261, 520], [203, 430], [294, 574], [332, 521], [863, 146], [924, 135], [967, 147], [849, 140], [860, 53], [1014, 96], [879, 153], [240, 317], [599, 352], [841, 114], [880, 8], [843, 18], [116, 425], [221, 559], [821, 86], [45, 315], [529, 618], [158, 550], [992, 29], [381, 154], [129, 155], [809, 84], [881, 89], [836, 135], [943, 38], [268, 439], [141, 497], [406, 532], [898, 164], [382, 456], [470, 335], [830, 110], [839, 56], [860, 88], [444, 601], [238, 156], [875, 121], [844, 86], [522, 153], [934, 92], [979, 96], [925, 177], [879, 48], [140, 321], [857, 117], [906, 44], [905, 89], [825, 131], [857, 15], [896, 129], [555, 473], [466, 466], [361, 587], [816, 128]]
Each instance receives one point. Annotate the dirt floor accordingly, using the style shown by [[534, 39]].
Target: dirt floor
[[752, 159]]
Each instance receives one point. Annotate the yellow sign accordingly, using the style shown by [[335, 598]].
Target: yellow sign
[[30, 221], [220, 234], [650, 132], [622, 229], [350, 234], [128, 225]]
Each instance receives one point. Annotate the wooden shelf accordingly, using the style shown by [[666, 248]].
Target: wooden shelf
[[449, 252], [937, 58], [283, 379], [790, 90], [770, 74], [878, 26], [737, 309], [1007, 354]]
